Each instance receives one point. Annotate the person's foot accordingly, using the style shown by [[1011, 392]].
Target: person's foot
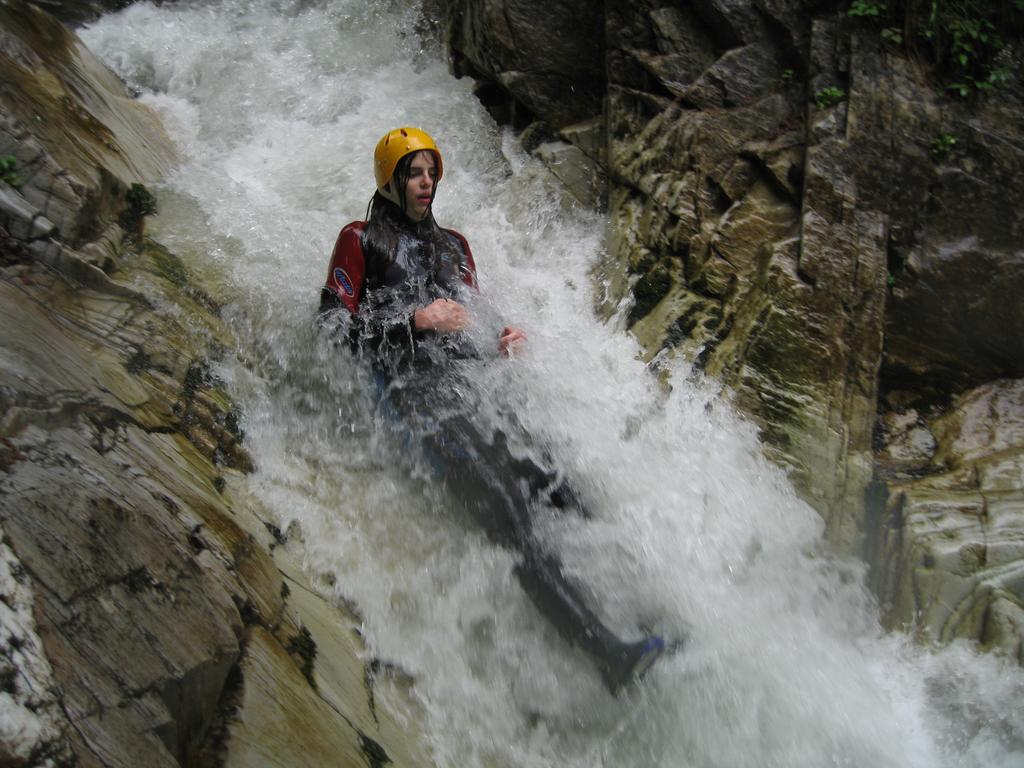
[[633, 662]]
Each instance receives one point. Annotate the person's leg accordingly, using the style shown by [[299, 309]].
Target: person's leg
[[499, 488], [562, 604]]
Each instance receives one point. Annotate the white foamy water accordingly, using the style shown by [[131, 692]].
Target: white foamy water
[[276, 108]]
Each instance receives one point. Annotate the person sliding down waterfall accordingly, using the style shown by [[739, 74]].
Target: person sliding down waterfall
[[401, 284]]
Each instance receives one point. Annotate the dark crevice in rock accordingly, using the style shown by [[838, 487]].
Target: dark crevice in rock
[[369, 674], [652, 81], [722, 331], [211, 753], [248, 612], [275, 531], [535, 134], [717, 25], [197, 376], [792, 44], [374, 669], [794, 175], [139, 361], [876, 496], [196, 541], [707, 318], [499, 102], [374, 752], [302, 645], [140, 579], [720, 200], [900, 387], [649, 104], [9, 679], [805, 277], [648, 291], [12, 251]]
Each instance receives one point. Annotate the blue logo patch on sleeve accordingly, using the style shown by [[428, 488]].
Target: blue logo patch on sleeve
[[344, 281]]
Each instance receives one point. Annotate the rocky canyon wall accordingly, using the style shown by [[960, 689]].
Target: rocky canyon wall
[[799, 207], [148, 616]]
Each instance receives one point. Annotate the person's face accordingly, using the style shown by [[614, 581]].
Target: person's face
[[419, 189]]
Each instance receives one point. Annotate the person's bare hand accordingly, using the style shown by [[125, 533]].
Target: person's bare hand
[[511, 341], [442, 315]]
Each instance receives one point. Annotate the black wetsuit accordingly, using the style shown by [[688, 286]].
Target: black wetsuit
[[424, 389]]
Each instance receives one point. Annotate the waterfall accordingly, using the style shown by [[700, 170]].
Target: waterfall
[[275, 106]]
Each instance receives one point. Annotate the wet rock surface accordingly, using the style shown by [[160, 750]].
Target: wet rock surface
[[546, 55], [74, 13], [949, 543], [145, 616], [798, 210]]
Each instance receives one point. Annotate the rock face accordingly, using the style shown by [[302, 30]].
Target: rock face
[[545, 53], [77, 12], [798, 211], [949, 543], [147, 616], [77, 138]]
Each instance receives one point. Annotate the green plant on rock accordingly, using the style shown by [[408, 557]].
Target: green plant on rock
[[972, 40], [942, 145], [8, 164], [828, 97], [964, 40], [304, 646], [866, 9], [141, 203], [893, 35]]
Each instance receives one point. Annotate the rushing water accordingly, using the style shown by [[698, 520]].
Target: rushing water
[[276, 108]]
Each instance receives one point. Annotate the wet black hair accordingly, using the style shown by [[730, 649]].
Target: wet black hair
[[385, 222]]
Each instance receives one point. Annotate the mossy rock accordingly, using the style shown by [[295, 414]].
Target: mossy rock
[[167, 264]]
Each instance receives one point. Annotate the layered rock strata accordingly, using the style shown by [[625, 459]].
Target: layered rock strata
[[948, 543], [795, 208], [148, 617]]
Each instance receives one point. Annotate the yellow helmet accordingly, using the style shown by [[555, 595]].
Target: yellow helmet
[[397, 144]]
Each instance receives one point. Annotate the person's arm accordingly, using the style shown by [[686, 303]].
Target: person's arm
[[511, 339], [347, 271], [371, 323], [441, 316], [468, 270]]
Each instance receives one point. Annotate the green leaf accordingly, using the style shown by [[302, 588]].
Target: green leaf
[[893, 35]]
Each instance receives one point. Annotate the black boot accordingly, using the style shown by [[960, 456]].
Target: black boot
[[631, 662]]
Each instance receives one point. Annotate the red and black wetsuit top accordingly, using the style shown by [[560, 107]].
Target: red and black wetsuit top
[[381, 298]]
